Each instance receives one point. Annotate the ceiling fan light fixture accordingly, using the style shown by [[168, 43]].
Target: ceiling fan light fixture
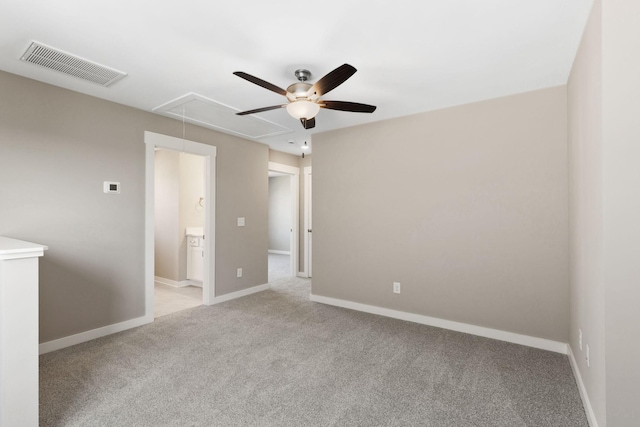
[[303, 109], [304, 98]]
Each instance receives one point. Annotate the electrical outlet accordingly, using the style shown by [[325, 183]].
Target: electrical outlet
[[239, 272], [396, 287], [588, 357], [240, 221], [580, 338]]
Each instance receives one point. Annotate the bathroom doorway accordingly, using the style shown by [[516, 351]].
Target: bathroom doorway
[[283, 221], [179, 232]]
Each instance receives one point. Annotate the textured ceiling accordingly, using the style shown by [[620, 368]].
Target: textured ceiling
[[411, 56]]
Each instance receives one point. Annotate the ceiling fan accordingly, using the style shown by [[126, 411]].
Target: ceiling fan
[[304, 98]]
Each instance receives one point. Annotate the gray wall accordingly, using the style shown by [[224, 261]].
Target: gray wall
[[284, 158], [585, 213], [604, 100], [621, 207], [280, 221], [56, 149], [466, 207], [167, 214]]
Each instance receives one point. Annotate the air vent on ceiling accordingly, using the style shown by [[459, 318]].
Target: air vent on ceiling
[[72, 65]]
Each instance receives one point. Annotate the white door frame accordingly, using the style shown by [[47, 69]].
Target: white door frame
[[294, 186], [153, 140], [307, 223]]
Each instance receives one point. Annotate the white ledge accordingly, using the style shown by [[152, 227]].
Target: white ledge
[[14, 249], [194, 231]]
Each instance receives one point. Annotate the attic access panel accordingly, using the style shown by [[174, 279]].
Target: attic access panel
[[202, 111]]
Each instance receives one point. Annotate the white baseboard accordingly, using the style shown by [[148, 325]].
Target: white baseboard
[[303, 274], [275, 251], [242, 293], [591, 416], [496, 334], [173, 283], [61, 343]]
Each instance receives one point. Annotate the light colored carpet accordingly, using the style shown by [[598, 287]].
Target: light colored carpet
[[277, 359]]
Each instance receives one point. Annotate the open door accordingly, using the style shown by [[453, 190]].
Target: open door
[[308, 223]]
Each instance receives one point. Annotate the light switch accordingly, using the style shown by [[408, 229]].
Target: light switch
[[240, 221]]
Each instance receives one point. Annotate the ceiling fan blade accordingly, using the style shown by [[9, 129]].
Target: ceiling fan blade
[[260, 110], [261, 82], [332, 80], [347, 106], [308, 123]]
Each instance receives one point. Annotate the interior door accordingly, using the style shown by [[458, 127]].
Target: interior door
[[308, 220]]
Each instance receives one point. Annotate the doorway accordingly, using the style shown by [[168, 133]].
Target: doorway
[[179, 231], [153, 142], [283, 221]]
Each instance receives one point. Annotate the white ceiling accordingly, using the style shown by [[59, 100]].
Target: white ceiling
[[412, 55]]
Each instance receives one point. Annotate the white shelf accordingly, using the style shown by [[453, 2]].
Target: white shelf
[[19, 332], [13, 248]]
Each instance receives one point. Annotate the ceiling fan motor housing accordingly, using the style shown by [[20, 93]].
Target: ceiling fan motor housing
[[298, 91]]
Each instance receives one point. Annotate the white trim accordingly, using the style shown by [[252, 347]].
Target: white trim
[[496, 334], [180, 284], [281, 167], [242, 293], [58, 344], [209, 152], [277, 252], [172, 283], [591, 416], [294, 186]]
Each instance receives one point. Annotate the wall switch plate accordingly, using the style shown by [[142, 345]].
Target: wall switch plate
[[240, 221], [580, 338], [239, 272], [111, 187], [396, 287]]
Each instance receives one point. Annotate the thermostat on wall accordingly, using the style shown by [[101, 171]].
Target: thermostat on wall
[[111, 187]]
